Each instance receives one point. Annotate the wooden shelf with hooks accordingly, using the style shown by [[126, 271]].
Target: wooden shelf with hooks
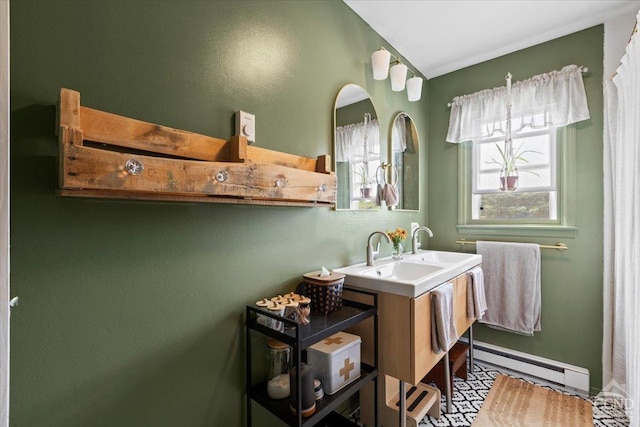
[[104, 155]]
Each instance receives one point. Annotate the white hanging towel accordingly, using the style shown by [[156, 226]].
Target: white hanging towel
[[443, 325], [476, 299], [512, 285]]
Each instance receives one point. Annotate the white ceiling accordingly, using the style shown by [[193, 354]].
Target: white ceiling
[[440, 36]]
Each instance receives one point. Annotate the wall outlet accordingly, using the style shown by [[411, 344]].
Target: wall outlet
[[414, 226], [246, 126]]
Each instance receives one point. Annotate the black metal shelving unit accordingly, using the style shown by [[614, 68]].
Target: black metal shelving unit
[[300, 337]]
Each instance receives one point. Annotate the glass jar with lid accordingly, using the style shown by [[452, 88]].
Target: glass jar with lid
[[279, 367], [271, 307]]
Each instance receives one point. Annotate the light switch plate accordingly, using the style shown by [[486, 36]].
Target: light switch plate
[[246, 125]]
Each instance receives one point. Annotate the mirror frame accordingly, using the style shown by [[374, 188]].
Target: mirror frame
[[335, 161], [392, 160]]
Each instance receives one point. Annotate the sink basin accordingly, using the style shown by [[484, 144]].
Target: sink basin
[[412, 276], [439, 257], [401, 271]]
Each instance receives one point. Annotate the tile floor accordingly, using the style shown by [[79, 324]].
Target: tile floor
[[470, 395]]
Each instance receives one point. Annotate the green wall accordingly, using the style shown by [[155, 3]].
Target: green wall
[[131, 313], [571, 280]]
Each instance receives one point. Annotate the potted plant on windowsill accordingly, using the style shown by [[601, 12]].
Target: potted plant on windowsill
[[508, 162], [362, 172]]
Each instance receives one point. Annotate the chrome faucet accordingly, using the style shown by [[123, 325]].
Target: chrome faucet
[[414, 237], [370, 253]]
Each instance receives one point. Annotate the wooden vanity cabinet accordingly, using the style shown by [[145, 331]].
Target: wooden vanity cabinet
[[405, 332], [404, 339]]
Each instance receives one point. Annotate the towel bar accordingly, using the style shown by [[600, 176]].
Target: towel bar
[[558, 246]]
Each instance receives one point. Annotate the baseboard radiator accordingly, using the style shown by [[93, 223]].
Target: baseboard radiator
[[560, 373]]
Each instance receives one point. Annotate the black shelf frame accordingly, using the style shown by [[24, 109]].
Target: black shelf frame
[[324, 407], [300, 337]]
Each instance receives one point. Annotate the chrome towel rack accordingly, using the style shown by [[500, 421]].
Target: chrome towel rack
[[558, 246]]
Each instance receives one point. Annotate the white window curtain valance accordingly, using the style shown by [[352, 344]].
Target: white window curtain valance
[[350, 141], [556, 98]]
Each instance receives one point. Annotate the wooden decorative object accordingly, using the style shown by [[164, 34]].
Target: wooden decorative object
[[104, 155]]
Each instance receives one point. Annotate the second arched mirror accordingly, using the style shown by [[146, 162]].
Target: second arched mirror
[[357, 149], [405, 145]]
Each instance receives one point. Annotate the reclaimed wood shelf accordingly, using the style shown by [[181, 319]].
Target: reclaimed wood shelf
[[103, 155]]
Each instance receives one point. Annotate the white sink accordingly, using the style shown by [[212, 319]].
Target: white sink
[[412, 276], [438, 257], [402, 271]]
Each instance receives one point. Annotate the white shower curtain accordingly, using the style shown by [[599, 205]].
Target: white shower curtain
[[622, 230]]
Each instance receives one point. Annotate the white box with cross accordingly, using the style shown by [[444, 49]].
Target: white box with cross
[[336, 360]]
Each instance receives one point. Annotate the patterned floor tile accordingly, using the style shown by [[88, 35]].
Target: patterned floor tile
[[469, 396]]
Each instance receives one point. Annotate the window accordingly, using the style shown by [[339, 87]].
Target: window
[[545, 197], [362, 182], [535, 198], [541, 112]]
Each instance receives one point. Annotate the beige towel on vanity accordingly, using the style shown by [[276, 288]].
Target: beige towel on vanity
[[512, 285], [443, 326], [476, 299]]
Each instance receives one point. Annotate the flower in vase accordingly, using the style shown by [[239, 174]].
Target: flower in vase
[[397, 236]]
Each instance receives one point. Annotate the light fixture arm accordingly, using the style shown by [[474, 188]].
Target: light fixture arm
[[396, 59]]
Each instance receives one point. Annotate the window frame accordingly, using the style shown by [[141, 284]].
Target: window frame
[[552, 166], [564, 226]]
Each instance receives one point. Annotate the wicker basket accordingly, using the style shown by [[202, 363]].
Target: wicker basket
[[325, 291]]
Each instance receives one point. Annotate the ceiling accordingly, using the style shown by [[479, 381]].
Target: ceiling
[[440, 36]]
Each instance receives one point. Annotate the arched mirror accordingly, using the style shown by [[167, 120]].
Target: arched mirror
[[357, 149], [405, 145]]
